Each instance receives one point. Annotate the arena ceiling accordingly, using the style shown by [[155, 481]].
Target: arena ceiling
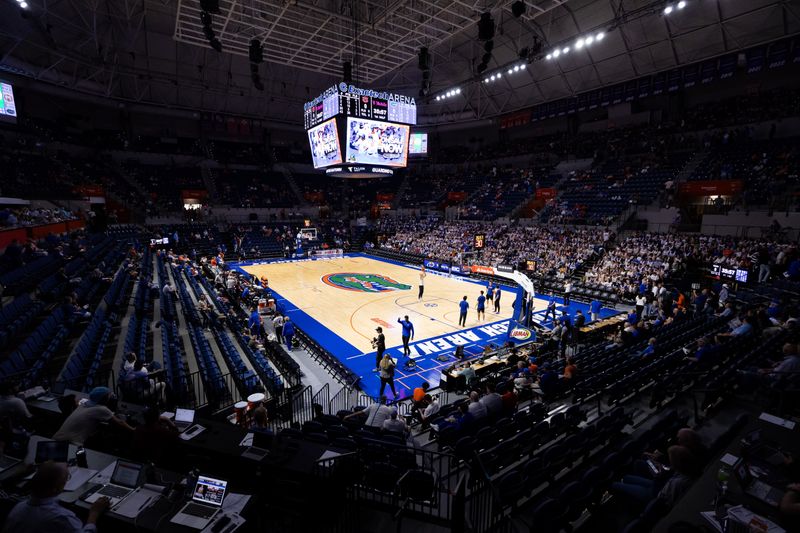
[[154, 51]]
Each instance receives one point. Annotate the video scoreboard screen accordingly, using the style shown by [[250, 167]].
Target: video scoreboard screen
[[324, 142], [371, 142], [418, 145], [352, 101], [8, 108]]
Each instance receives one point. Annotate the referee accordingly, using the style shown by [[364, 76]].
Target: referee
[[422, 275], [408, 334], [379, 343]]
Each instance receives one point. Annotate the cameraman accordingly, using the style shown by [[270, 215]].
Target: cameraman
[[379, 343]]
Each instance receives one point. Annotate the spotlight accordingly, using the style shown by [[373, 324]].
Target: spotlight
[[516, 68], [600, 36], [510, 71], [589, 40], [668, 10], [522, 66], [681, 4], [23, 5], [556, 52], [492, 77], [498, 75], [579, 44], [438, 98], [565, 50], [458, 90], [548, 57]]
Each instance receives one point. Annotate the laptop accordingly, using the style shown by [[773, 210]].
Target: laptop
[[7, 462], [755, 488], [184, 418], [207, 498], [126, 478], [262, 442], [51, 450]]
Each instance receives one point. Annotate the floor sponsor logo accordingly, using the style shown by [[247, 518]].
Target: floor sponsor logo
[[520, 334], [363, 282]]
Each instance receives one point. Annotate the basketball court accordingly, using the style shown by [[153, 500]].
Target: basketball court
[[340, 301]]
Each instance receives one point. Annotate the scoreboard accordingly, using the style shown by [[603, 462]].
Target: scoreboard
[[351, 101]]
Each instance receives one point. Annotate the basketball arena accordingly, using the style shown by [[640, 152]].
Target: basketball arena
[[424, 265]]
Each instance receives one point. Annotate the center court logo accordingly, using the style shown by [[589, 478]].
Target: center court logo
[[520, 334], [363, 282]]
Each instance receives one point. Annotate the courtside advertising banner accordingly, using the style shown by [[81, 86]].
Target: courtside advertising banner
[[324, 141], [376, 143]]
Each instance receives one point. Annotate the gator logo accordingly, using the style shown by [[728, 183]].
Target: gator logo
[[363, 282]]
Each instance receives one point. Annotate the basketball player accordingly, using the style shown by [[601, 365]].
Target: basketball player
[[422, 275], [481, 306], [490, 292], [497, 301], [551, 308], [379, 343], [408, 334], [464, 307]]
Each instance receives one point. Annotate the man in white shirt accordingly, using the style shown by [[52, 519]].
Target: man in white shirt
[[41, 512], [395, 424], [375, 415], [11, 406], [277, 323], [86, 419]]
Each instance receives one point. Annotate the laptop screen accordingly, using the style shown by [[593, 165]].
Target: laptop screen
[[210, 491], [742, 473], [184, 415], [127, 474], [52, 450]]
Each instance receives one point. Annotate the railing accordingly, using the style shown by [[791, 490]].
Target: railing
[[322, 397], [444, 506]]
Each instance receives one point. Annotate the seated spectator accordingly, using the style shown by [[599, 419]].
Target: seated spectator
[[374, 415], [476, 408], [156, 438], [739, 331], [642, 490], [650, 349], [704, 352], [492, 402], [469, 374], [86, 419], [140, 383], [12, 407], [431, 410], [395, 424], [42, 512]]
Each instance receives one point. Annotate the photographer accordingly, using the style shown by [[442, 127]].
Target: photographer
[[379, 343]]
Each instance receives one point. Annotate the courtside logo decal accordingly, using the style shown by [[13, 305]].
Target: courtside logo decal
[[363, 282]]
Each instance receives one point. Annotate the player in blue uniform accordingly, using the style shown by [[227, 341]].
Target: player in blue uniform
[[408, 334], [481, 306], [464, 307], [490, 292], [594, 309]]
